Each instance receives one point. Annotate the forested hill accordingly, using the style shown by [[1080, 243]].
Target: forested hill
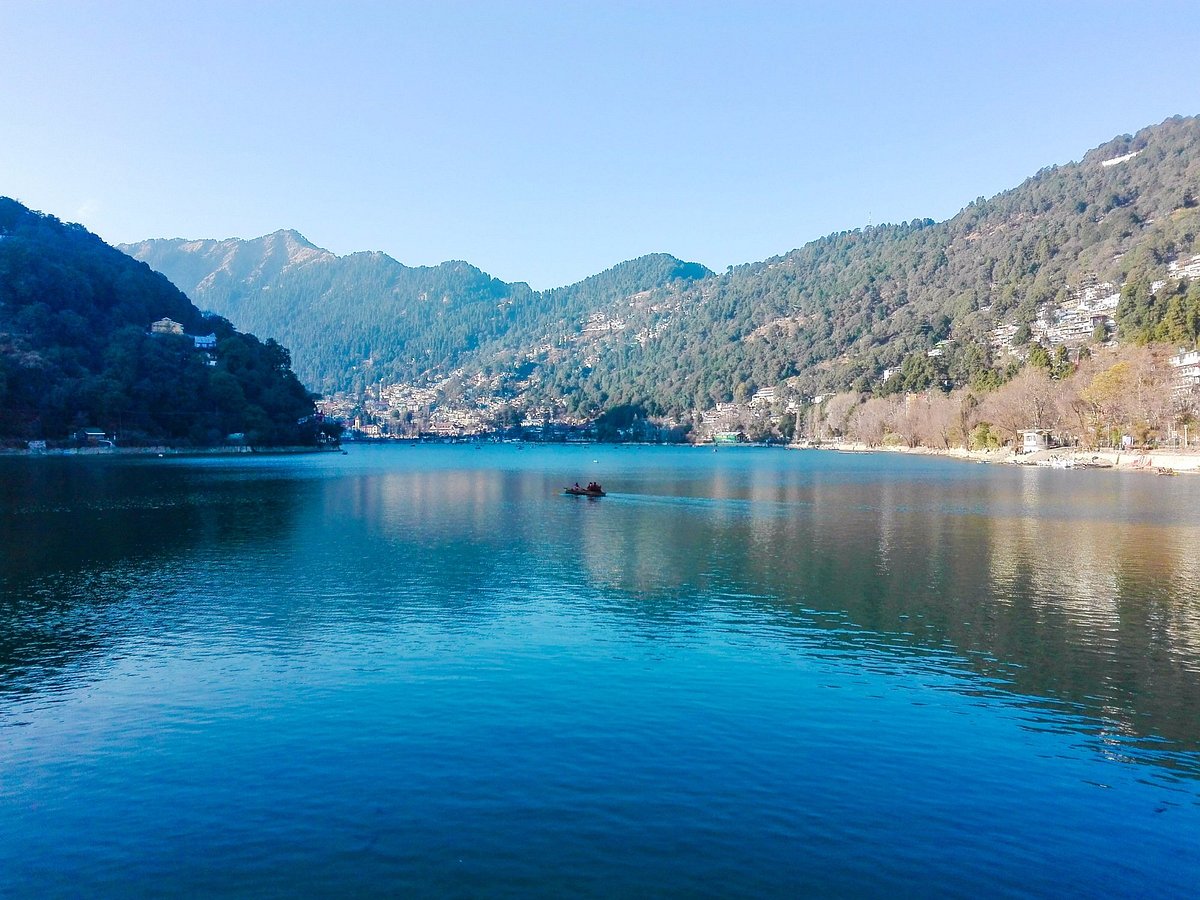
[[921, 298], [838, 312], [76, 350], [364, 318]]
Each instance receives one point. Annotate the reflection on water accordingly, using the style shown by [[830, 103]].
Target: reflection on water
[[1070, 586], [1065, 599]]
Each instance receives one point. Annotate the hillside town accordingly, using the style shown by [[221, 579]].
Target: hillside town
[[464, 407]]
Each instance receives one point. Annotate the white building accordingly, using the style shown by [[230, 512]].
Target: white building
[[1034, 439], [763, 397], [1187, 268], [166, 326], [1186, 364]]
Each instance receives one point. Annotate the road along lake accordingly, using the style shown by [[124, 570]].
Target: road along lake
[[424, 670]]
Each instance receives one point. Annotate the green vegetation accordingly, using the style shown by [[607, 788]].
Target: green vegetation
[[1171, 315], [75, 352], [364, 318], [838, 311]]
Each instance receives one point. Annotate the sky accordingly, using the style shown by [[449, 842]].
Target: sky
[[547, 141]]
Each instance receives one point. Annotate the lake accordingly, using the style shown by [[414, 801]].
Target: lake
[[424, 671]]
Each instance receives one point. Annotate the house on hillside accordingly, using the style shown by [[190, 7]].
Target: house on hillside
[[1189, 268], [166, 326], [206, 345], [763, 397], [1186, 366]]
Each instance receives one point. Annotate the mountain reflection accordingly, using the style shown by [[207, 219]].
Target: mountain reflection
[[88, 548], [1074, 591], [1050, 587]]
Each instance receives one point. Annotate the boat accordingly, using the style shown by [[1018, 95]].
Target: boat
[[597, 491]]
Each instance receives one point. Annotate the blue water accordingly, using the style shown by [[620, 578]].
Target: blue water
[[424, 671]]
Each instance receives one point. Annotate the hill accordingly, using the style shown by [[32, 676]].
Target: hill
[[1079, 253], [365, 318], [77, 349], [842, 311]]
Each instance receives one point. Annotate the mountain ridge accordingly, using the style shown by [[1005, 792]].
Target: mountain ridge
[[351, 318], [844, 311]]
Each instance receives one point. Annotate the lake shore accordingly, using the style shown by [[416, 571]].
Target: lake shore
[[1154, 461], [164, 451]]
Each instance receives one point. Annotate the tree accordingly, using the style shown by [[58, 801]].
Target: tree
[[835, 413], [1061, 367], [787, 426], [1039, 358], [871, 421], [1028, 401]]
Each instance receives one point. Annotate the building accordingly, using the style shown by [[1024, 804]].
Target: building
[[1189, 268], [763, 397], [1186, 364], [93, 437], [166, 326], [1034, 439]]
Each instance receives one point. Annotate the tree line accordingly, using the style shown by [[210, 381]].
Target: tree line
[[1132, 391]]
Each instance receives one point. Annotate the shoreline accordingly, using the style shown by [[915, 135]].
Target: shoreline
[[165, 451], [1159, 462], [1155, 462]]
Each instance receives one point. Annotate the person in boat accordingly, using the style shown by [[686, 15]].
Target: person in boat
[[577, 487]]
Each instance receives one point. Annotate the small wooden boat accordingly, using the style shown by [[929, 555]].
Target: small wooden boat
[[583, 492]]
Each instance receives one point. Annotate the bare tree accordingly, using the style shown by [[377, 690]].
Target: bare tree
[[871, 421], [909, 418], [1131, 396], [835, 413], [940, 427], [1030, 400]]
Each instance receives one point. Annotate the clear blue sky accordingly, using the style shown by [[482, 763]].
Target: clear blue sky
[[547, 141]]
